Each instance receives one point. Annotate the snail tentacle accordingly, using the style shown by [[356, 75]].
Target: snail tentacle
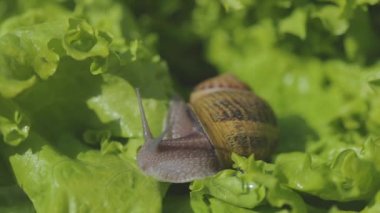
[[146, 130], [148, 137]]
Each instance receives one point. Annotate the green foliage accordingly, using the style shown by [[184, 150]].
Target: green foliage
[[68, 107], [70, 127]]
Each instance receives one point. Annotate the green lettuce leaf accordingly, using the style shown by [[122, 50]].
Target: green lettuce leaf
[[109, 107], [250, 189], [12, 197], [374, 206], [68, 111], [14, 126], [56, 183], [347, 176], [295, 24]]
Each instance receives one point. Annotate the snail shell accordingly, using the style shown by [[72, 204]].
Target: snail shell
[[223, 116]]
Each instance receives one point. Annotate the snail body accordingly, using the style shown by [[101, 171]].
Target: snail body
[[223, 116]]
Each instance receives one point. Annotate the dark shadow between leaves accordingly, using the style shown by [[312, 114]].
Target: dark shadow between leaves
[[314, 201], [295, 132], [177, 198]]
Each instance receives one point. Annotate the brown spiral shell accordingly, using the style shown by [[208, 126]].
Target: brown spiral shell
[[234, 118]]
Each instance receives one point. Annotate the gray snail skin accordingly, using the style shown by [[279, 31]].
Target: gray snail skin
[[223, 116]]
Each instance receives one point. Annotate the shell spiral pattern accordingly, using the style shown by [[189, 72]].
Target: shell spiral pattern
[[235, 119]]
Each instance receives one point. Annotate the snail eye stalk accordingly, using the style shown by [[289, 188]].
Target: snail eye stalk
[[146, 130]]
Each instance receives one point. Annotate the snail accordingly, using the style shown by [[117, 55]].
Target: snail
[[223, 116]]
